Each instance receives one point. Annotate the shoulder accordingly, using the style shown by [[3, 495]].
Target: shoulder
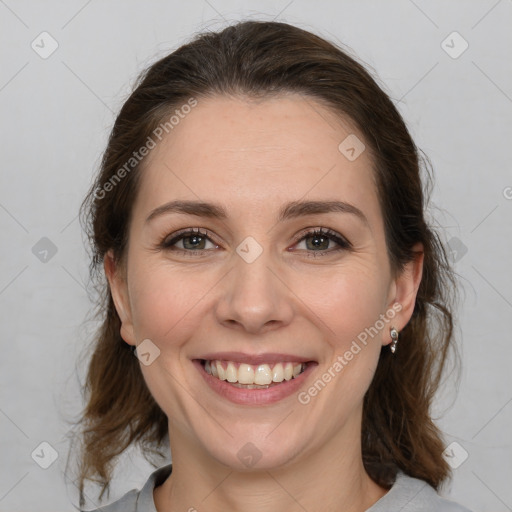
[[413, 495], [138, 500], [128, 503]]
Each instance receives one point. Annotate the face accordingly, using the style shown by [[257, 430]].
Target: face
[[281, 269]]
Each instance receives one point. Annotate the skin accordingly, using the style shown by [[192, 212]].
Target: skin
[[252, 157]]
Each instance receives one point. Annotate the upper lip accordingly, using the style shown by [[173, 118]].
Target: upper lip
[[254, 359]]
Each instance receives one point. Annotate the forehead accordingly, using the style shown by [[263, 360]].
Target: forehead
[[244, 153]]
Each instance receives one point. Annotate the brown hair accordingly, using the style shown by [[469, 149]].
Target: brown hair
[[257, 59]]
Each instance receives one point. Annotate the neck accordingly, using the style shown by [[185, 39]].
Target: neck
[[332, 479]]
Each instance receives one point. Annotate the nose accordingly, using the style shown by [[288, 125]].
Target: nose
[[254, 297]]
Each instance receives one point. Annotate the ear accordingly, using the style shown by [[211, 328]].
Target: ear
[[119, 291], [405, 288]]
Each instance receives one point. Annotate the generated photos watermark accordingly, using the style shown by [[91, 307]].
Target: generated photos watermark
[[159, 132], [304, 397]]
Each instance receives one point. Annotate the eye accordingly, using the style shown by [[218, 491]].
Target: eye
[[316, 242], [190, 241], [322, 241]]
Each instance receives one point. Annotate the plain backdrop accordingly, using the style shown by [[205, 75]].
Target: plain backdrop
[[66, 68]]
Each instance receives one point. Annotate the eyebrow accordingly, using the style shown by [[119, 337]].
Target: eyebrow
[[291, 210]]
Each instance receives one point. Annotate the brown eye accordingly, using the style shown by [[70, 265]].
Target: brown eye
[[188, 241], [324, 241], [317, 242], [193, 242]]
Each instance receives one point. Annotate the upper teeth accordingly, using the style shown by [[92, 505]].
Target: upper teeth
[[262, 374]]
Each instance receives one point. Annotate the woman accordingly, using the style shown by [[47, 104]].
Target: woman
[[259, 218]]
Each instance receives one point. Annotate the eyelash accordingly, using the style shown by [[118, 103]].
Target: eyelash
[[343, 243]]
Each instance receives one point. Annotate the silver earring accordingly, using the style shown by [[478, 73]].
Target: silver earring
[[394, 339]]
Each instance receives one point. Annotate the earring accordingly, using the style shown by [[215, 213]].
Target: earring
[[394, 339]]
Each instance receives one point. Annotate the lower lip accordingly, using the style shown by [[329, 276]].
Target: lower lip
[[263, 396]]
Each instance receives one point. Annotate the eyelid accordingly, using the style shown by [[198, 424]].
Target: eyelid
[[321, 231], [170, 240], [173, 238]]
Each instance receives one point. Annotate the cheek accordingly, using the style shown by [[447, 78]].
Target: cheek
[[347, 299], [167, 307], [166, 302], [350, 303]]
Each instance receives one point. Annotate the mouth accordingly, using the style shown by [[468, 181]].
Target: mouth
[[248, 376], [258, 380]]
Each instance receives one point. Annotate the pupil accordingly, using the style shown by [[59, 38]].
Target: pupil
[[193, 241], [319, 241]]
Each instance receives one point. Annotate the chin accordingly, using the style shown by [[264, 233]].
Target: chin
[[255, 449]]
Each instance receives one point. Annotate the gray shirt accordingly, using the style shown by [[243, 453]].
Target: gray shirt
[[406, 495]]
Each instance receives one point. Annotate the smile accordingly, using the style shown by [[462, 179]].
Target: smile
[[254, 380], [249, 376]]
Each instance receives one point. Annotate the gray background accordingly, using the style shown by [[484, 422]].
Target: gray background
[[56, 113]]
